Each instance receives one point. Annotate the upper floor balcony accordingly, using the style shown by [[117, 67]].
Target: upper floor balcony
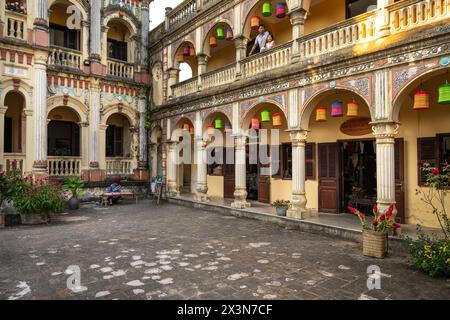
[[16, 20], [132, 6], [320, 32]]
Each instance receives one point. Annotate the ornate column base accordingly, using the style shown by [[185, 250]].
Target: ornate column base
[[240, 199], [40, 168], [201, 193], [298, 209], [172, 189]]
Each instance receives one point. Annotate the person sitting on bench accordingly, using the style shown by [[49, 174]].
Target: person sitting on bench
[[114, 188]]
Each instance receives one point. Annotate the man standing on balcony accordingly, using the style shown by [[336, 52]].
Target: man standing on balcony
[[261, 39]]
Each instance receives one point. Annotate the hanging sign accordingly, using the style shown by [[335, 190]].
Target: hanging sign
[[357, 126]]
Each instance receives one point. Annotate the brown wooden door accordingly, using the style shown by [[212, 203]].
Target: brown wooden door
[[229, 179], [328, 177], [400, 179]]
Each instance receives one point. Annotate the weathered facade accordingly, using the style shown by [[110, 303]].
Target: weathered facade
[[74, 87], [370, 55]]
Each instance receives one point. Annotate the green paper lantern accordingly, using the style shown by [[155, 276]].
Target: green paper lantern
[[220, 33], [444, 94], [265, 116], [218, 123], [267, 9]]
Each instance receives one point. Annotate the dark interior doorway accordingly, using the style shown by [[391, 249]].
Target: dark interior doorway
[[359, 180], [63, 139]]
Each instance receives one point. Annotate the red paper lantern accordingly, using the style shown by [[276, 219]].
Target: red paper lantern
[[255, 123], [337, 109], [254, 23], [321, 114], [281, 10], [421, 100]]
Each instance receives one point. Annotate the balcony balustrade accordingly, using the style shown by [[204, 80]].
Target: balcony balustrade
[[64, 57], [132, 6], [120, 69], [13, 161], [16, 25], [118, 166], [64, 166]]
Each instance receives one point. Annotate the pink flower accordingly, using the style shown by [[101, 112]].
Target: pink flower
[[397, 225], [352, 210], [383, 217]]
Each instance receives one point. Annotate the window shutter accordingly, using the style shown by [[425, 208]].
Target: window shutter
[[310, 161], [426, 153]]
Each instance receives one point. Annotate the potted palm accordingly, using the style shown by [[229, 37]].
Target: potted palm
[[281, 207], [75, 185], [375, 234]]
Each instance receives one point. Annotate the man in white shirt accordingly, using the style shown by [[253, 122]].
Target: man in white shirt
[[261, 38]]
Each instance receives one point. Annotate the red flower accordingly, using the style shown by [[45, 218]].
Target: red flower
[[435, 172], [351, 209], [375, 209], [397, 225], [389, 213], [383, 217], [375, 222]]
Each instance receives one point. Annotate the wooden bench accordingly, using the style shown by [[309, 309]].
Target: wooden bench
[[123, 194]]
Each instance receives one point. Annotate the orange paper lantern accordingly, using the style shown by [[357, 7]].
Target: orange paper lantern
[[212, 41], [276, 120], [186, 126], [254, 22], [353, 109], [321, 114], [421, 100]]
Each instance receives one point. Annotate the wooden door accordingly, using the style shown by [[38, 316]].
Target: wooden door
[[400, 179], [328, 177], [229, 180]]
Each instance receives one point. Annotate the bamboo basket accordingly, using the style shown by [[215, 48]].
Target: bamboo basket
[[375, 244]]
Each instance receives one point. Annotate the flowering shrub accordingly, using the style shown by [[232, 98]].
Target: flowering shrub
[[432, 254], [30, 196], [382, 222], [281, 204]]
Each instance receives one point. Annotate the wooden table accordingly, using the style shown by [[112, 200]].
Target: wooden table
[[105, 196]]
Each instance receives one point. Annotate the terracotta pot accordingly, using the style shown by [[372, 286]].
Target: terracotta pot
[[281, 211], [375, 244], [35, 218], [74, 204]]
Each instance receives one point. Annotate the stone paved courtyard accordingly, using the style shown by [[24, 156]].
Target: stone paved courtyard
[[171, 252]]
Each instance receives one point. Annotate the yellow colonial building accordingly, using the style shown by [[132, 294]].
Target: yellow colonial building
[[358, 90], [74, 87]]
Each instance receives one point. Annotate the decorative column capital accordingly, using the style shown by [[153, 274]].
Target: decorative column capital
[[240, 42], [298, 137], [173, 72], [385, 129], [298, 16]]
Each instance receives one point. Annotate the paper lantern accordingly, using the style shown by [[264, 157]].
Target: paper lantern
[[227, 125], [229, 34], [255, 123], [337, 109], [254, 22], [267, 9], [192, 51], [218, 123], [353, 109], [321, 114], [186, 126], [281, 10], [276, 120], [220, 33], [444, 94], [186, 51], [265, 116], [211, 130], [421, 100], [180, 57], [212, 41]]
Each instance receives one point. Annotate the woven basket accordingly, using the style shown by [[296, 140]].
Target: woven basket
[[375, 244]]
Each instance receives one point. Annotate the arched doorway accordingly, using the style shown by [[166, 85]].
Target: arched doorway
[[156, 152], [341, 136], [63, 142], [186, 61], [14, 131], [268, 170], [118, 145], [426, 136], [220, 155], [219, 47], [186, 170]]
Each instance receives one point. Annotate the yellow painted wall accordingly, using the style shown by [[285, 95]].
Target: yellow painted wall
[[63, 114], [117, 32], [215, 186], [221, 57], [414, 124], [324, 14], [58, 15], [280, 189]]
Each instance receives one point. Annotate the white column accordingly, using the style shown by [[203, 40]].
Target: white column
[[385, 133], [41, 9], [240, 192], [143, 157], [29, 139], [201, 193], [298, 18], [202, 63], [172, 185], [40, 112], [2, 138], [96, 31], [94, 123], [298, 209], [241, 48]]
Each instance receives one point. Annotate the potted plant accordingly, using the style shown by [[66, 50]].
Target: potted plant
[[281, 207], [38, 202], [75, 185], [375, 234]]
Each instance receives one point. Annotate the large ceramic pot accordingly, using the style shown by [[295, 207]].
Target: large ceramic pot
[[375, 244], [35, 218], [281, 211], [74, 204]]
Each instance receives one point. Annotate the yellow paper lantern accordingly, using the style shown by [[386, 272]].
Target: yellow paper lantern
[[212, 41], [254, 22], [321, 114], [276, 120], [353, 109]]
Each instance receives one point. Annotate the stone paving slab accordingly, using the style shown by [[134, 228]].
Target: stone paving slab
[[173, 252]]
